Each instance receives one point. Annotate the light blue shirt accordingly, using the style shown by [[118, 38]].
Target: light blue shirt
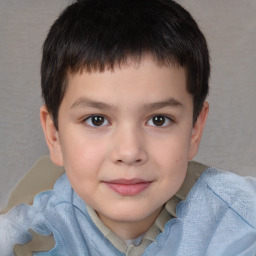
[[218, 218]]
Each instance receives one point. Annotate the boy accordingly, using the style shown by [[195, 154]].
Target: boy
[[124, 84]]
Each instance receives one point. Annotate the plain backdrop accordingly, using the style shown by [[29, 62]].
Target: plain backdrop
[[229, 141]]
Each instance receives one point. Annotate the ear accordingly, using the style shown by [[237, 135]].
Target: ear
[[51, 136], [197, 130]]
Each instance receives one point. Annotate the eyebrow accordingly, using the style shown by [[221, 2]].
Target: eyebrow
[[88, 103], [85, 103], [171, 102]]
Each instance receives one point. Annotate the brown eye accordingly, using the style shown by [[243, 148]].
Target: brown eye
[[96, 121], [159, 121]]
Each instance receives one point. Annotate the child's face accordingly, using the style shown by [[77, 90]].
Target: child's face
[[125, 138]]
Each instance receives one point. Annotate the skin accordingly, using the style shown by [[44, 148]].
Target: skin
[[145, 131]]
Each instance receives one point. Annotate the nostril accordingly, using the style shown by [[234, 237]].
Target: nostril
[[120, 161]]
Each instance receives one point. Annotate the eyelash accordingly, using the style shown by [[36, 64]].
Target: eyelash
[[103, 121]]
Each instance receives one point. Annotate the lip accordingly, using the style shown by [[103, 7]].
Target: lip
[[128, 187]]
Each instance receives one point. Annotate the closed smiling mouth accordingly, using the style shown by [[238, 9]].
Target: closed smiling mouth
[[128, 187]]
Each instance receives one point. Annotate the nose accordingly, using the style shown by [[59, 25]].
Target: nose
[[129, 147]]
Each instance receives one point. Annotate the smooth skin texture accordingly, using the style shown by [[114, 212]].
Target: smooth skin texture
[[129, 125]]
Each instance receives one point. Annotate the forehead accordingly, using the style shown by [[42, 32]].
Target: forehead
[[133, 79]]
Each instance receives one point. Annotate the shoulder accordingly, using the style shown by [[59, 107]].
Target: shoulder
[[41, 177], [237, 192]]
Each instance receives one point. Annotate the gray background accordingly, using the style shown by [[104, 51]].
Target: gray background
[[229, 140]]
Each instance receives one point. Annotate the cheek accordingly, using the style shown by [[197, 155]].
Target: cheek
[[83, 156], [171, 157], [173, 149], [83, 164]]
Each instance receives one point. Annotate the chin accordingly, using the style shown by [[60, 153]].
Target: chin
[[129, 214]]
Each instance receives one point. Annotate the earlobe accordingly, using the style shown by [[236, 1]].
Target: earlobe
[[197, 130], [51, 136]]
